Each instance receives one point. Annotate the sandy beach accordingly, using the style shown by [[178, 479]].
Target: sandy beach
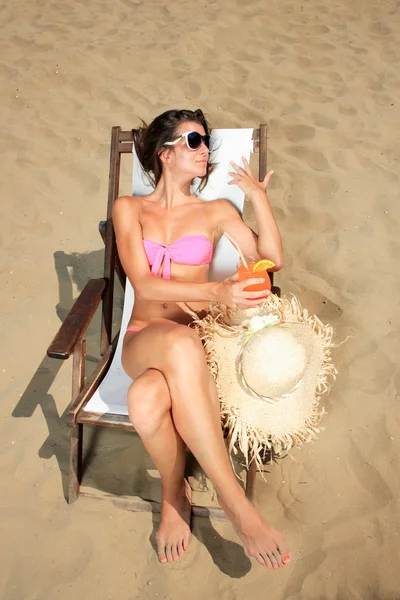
[[325, 77]]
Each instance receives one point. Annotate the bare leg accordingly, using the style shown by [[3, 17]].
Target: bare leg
[[149, 404], [177, 352]]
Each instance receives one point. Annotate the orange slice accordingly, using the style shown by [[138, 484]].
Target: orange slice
[[263, 265]]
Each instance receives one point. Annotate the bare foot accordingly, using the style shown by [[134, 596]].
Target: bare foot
[[261, 541], [174, 532]]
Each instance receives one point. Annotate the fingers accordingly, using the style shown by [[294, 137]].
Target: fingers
[[254, 295], [267, 178], [233, 277], [246, 165], [250, 303], [252, 281], [239, 170]]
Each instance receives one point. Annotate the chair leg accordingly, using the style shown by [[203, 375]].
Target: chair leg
[[251, 480], [76, 433], [75, 462]]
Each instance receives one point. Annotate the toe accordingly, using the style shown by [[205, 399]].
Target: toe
[[278, 558], [180, 548], [273, 560], [186, 540], [267, 561], [161, 552], [174, 552], [168, 553], [260, 559], [286, 557]]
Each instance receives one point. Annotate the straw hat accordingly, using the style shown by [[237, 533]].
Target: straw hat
[[271, 364]]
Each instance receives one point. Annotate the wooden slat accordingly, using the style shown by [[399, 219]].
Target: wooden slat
[[91, 386], [106, 420], [75, 462], [125, 136], [275, 290], [125, 148], [110, 252], [76, 433], [78, 367], [262, 164], [118, 266], [77, 319], [126, 141], [137, 504], [262, 159], [256, 140]]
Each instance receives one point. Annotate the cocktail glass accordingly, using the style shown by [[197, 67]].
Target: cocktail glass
[[249, 273]]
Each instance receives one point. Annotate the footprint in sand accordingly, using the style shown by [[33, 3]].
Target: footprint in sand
[[369, 478], [371, 369], [379, 28], [324, 121], [318, 29], [298, 133], [316, 221], [347, 110], [311, 158]]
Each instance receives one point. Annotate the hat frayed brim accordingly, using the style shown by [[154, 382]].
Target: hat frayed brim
[[251, 425]]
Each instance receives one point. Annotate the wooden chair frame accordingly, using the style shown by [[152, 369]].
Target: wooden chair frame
[[70, 339]]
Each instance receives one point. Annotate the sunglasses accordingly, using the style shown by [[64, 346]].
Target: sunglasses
[[193, 140]]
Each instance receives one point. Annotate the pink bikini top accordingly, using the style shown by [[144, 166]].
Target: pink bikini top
[[188, 250]]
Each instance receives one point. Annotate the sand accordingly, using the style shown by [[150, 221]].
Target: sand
[[325, 77]]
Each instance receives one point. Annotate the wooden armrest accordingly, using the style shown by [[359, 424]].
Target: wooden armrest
[[78, 319]]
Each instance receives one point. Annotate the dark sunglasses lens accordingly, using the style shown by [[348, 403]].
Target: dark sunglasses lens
[[194, 140], [208, 141]]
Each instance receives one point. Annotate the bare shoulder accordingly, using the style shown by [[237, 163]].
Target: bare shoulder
[[127, 204], [126, 213], [125, 201], [223, 210]]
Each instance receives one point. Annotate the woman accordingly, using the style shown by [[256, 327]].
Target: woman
[[173, 401]]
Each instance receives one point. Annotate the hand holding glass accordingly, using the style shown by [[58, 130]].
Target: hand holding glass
[[256, 270]]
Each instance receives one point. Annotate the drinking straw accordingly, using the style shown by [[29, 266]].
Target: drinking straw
[[238, 249]]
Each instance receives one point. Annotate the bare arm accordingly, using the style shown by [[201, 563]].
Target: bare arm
[[269, 241], [230, 221]]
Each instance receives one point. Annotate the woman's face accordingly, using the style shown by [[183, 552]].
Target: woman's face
[[183, 160]]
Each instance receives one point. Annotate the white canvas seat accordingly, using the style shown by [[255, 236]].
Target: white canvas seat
[[232, 144]]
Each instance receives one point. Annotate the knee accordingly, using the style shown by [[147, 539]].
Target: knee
[[184, 345], [148, 401]]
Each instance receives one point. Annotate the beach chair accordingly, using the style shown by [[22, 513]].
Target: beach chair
[[101, 400]]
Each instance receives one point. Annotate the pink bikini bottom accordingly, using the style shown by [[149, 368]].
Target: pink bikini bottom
[[134, 329]]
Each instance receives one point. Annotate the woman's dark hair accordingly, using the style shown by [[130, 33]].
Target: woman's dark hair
[[150, 139]]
